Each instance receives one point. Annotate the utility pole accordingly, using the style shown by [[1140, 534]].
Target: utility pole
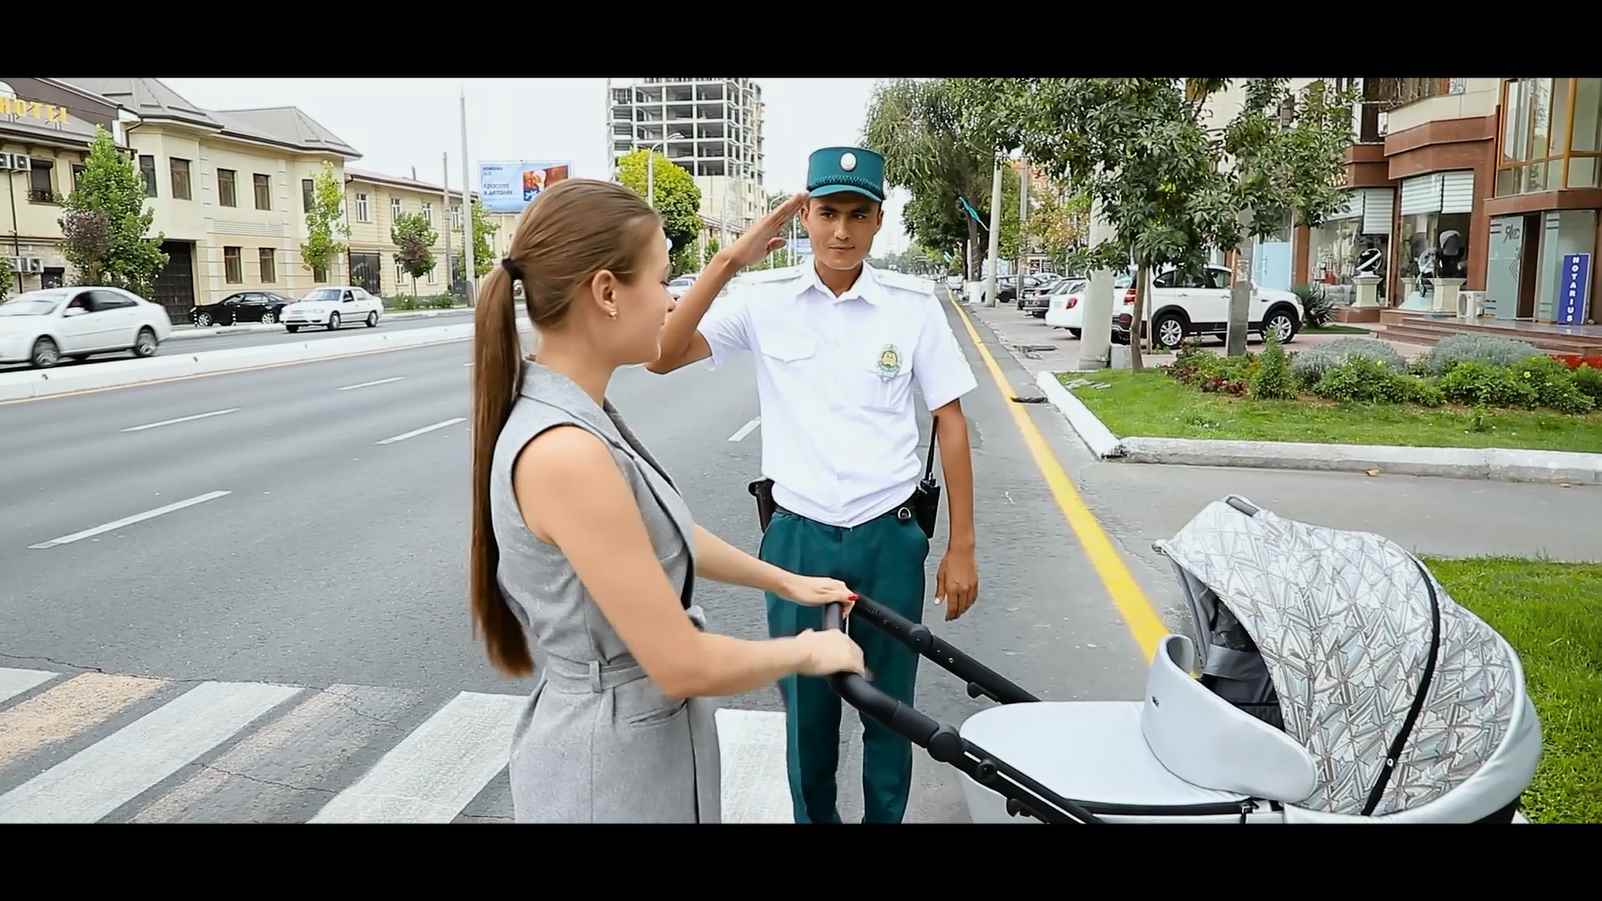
[[1023, 217], [467, 211], [995, 235], [445, 172], [1095, 328], [1240, 290]]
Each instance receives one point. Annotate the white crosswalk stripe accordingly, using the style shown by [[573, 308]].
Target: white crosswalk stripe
[[258, 752], [99, 779]]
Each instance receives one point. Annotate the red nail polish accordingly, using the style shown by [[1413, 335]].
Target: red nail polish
[[854, 597]]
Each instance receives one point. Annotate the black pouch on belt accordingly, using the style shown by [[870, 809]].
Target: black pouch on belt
[[762, 490]]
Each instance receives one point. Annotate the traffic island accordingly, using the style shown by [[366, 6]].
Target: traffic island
[[1551, 614], [1150, 417]]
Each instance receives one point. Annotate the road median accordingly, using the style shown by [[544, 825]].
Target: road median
[[36, 384]]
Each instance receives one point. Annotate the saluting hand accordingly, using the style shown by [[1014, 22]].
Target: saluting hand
[[763, 237]]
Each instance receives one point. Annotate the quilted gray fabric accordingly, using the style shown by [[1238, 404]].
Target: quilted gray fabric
[[1343, 621]]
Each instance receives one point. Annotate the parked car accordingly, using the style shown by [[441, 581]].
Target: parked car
[[41, 327], [334, 308], [266, 307], [1197, 303], [1007, 287], [1037, 299], [678, 286], [1065, 305]]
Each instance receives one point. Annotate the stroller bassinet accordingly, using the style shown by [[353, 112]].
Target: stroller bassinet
[[1337, 683]]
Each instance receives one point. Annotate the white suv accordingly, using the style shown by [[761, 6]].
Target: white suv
[[1197, 303], [333, 308]]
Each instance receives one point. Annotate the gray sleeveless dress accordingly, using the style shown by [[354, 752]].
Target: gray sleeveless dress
[[598, 741]]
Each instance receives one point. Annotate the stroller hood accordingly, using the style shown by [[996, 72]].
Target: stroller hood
[[1398, 694]]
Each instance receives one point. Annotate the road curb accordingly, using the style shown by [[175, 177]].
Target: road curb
[[1091, 430], [1485, 464]]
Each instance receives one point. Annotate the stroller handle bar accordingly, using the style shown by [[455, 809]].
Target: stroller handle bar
[[943, 742]]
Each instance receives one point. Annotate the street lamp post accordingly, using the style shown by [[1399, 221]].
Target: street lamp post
[[650, 171]]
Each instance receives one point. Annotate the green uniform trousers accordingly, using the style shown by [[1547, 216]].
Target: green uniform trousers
[[882, 559]]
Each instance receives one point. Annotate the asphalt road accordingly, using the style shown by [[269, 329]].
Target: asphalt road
[[334, 561], [284, 634], [228, 337]]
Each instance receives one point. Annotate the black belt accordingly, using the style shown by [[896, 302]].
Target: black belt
[[902, 512]]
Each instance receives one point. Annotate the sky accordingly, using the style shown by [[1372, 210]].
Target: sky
[[401, 123]]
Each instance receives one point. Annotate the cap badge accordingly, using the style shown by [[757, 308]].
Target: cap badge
[[848, 162]]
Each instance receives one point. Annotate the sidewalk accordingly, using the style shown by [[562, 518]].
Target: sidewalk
[[188, 330]]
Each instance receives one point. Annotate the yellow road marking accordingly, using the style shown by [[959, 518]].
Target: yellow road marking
[[1137, 610]]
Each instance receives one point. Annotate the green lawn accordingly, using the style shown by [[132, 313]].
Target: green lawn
[[1151, 404], [1551, 613]]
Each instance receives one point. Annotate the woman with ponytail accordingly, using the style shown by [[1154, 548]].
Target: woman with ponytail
[[582, 541]]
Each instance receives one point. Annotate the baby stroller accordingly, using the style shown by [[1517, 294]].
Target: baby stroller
[[1338, 683]]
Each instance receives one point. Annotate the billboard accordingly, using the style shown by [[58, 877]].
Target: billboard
[[509, 187]]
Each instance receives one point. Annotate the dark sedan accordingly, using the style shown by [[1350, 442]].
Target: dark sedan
[[247, 306]]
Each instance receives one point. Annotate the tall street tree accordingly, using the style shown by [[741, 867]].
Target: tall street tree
[[105, 224], [678, 201], [325, 225], [415, 238], [1170, 185], [917, 127]]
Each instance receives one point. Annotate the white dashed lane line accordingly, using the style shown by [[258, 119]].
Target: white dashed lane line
[[127, 521], [371, 384], [746, 429], [424, 430], [157, 425]]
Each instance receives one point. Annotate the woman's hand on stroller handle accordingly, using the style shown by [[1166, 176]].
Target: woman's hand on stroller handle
[[830, 652], [814, 591]]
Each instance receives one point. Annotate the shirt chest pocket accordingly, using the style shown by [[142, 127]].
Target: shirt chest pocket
[[789, 352], [884, 373]]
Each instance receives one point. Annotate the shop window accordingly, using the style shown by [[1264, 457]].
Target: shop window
[[1433, 245]]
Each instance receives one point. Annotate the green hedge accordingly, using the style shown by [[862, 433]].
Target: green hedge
[[425, 302]]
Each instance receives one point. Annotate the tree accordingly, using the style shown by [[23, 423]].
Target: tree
[[678, 200], [918, 127], [105, 223], [325, 224], [1287, 157], [1059, 222], [415, 237], [1169, 186], [483, 231], [6, 275]]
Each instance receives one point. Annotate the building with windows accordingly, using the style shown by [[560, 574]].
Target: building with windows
[[46, 128], [1478, 185], [712, 127], [229, 189]]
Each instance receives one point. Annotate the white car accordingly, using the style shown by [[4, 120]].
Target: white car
[[333, 308], [1065, 308], [41, 327], [678, 286], [1198, 304]]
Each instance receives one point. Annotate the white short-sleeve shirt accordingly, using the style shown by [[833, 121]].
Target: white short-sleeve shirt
[[836, 378]]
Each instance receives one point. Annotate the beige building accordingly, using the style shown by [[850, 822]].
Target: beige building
[[373, 201], [46, 127], [229, 189]]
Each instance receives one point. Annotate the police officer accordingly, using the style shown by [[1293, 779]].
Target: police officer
[[843, 351]]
